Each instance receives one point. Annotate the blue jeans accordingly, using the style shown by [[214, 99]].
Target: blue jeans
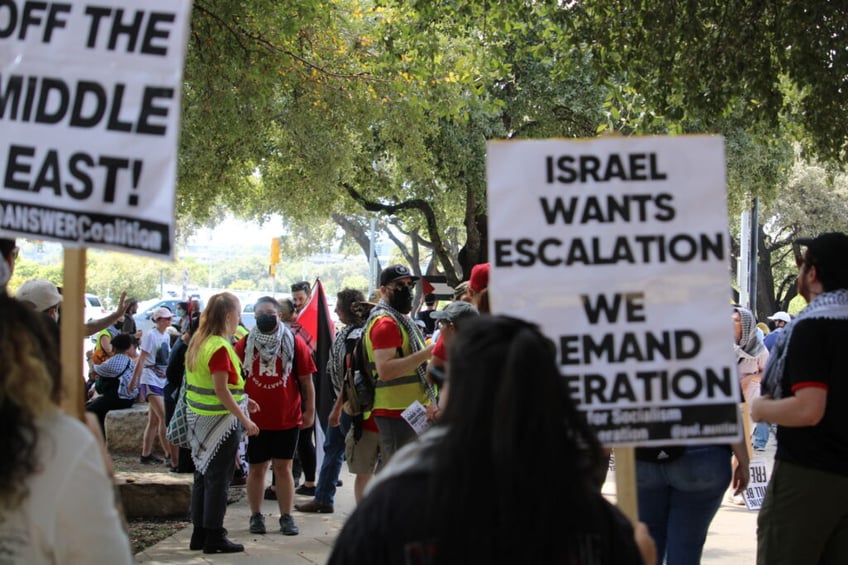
[[761, 435], [331, 466], [678, 500]]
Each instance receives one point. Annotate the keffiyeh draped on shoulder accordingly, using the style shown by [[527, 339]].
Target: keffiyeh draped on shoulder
[[830, 306]]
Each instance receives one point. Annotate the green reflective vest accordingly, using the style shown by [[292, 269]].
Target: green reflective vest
[[200, 390], [399, 393]]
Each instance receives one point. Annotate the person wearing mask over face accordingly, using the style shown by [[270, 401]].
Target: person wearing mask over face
[[57, 503], [278, 367], [395, 346], [218, 410], [458, 495]]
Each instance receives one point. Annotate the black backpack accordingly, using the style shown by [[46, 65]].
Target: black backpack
[[358, 383]]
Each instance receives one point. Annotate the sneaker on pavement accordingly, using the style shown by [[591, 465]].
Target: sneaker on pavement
[[150, 460], [257, 523], [270, 494], [305, 490], [287, 527], [315, 507]]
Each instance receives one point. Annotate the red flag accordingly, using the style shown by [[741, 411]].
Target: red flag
[[317, 322], [308, 317], [427, 287]]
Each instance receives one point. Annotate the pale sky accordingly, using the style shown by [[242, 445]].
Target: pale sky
[[232, 229]]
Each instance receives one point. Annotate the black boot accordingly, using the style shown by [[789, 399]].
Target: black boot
[[198, 538], [217, 542]]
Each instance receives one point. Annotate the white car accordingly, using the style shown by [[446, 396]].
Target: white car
[[93, 308]]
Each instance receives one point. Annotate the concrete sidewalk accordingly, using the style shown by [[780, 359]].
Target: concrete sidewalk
[[732, 537]]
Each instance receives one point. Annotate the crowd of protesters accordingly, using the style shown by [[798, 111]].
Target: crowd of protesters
[[461, 404]]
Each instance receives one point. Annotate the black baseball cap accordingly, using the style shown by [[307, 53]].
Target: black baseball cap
[[395, 272]]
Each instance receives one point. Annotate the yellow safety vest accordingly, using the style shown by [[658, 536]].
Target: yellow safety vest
[[240, 332], [399, 393], [100, 334], [200, 390]]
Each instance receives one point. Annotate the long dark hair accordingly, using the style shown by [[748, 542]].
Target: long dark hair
[[30, 386], [515, 470]]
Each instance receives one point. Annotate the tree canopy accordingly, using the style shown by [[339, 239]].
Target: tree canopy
[[336, 111]]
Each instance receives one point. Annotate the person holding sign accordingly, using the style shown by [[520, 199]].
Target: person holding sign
[[56, 504], [458, 494], [804, 517]]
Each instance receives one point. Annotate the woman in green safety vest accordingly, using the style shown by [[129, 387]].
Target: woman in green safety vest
[[218, 412]]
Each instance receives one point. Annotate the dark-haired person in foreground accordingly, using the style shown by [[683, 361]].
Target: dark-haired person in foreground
[[458, 494], [804, 518], [57, 502]]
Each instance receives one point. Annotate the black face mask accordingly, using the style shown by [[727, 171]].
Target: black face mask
[[401, 299], [266, 323]]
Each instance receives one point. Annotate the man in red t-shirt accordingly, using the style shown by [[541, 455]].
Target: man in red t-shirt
[[271, 355], [396, 347]]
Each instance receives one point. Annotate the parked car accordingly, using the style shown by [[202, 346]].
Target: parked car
[[248, 318], [143, 319], [93, 308]]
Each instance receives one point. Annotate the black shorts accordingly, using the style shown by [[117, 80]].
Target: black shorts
[[272, 444]]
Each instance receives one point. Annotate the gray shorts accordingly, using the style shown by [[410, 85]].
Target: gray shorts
[[362, 456]]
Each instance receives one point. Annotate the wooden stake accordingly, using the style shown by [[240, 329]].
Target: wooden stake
[[625, 483], [71, 322]]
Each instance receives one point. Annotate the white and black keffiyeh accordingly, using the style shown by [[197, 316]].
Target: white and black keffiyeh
[[828, 306], [207, 433], [279, 344]]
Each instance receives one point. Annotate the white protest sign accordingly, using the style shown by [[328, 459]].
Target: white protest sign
[[618, 249], [755, 492], [89, 110]]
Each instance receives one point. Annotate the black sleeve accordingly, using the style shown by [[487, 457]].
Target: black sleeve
[[129, 326], [176, 364]]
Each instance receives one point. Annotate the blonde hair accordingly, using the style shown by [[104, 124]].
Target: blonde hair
[[213, 321], [30, 376]]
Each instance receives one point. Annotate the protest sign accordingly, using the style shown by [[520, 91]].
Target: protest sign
[[618, 249], [755, 492], [89, 109]]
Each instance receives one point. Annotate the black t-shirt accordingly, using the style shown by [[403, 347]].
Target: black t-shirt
[[391, 526], [429, 322], [818, 356]]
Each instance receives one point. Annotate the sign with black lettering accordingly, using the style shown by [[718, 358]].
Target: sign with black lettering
[[618, 249], [89, 110], [756, 490]]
